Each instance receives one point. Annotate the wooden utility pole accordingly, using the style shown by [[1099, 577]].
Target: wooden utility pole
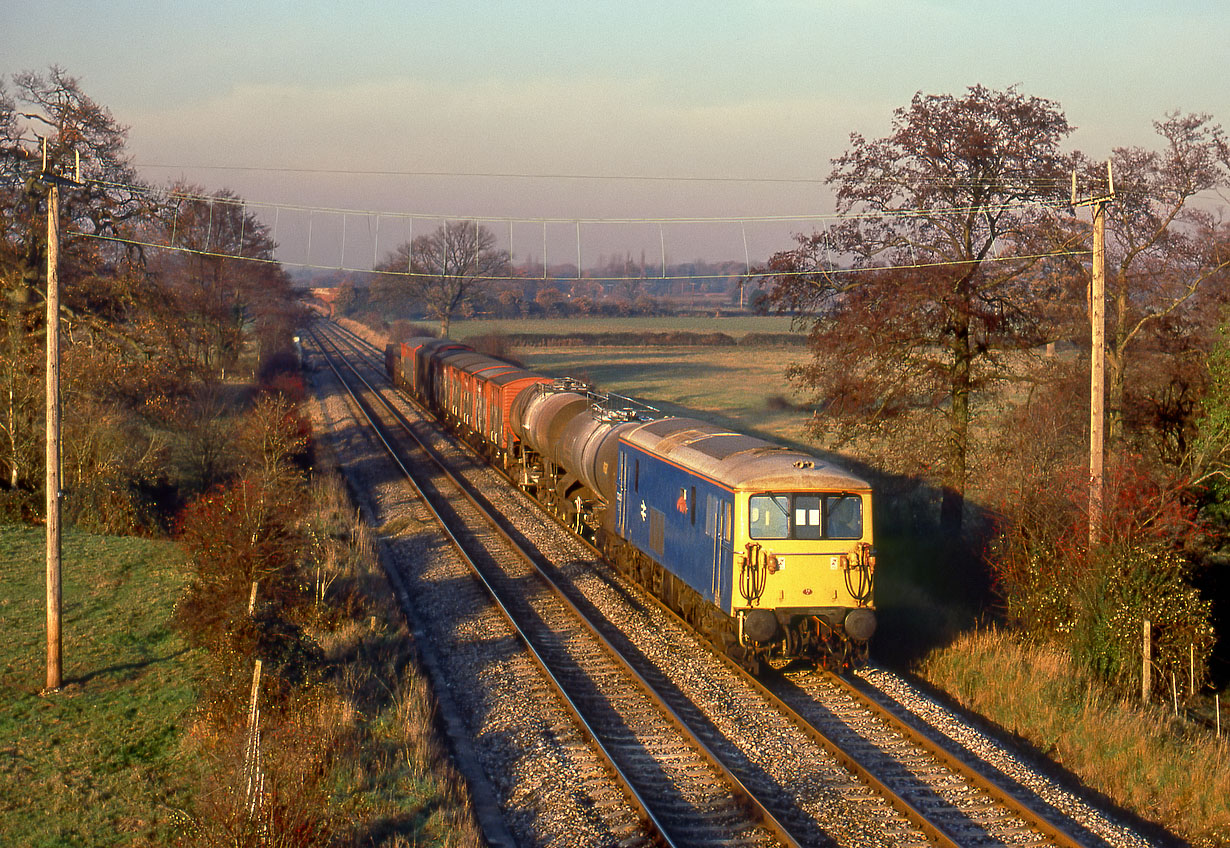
[[55, 673], [1097, 354], [54, 656]]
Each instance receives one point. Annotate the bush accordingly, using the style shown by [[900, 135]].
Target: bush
[[1094, 602], [1126, 586], [107, 462]]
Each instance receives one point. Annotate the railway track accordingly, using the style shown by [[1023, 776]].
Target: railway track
[[946, 797], [685, 795]]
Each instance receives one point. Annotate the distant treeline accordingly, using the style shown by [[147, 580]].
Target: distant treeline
[[679, 338]]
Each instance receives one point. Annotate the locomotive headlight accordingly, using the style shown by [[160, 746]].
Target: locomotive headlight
[[773, 564]]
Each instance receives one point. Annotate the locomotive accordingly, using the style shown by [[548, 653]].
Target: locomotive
[[765, 551]]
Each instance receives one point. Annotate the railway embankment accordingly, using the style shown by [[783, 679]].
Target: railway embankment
[[250, 680]]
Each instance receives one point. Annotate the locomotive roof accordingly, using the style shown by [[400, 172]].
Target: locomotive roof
[[738, 460]]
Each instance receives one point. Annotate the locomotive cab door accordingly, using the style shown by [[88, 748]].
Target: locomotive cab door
[[621, 496], [718, 525]]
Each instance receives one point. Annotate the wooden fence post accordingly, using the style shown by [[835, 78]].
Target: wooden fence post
[[255, 779], [1146, 673]]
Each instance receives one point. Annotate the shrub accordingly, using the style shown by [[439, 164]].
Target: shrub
[[107, 460], [1126, 586], [271, 789], [234, 537], [1094, 602]]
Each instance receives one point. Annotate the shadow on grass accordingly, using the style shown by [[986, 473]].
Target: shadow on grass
[[123, 667]]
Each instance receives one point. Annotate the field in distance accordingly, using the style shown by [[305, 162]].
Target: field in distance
[[735, 326], [741, 388]]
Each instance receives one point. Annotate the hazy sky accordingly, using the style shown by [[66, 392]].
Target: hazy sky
[[707, 91]]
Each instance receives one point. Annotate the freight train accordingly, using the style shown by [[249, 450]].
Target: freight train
[[765, 551]]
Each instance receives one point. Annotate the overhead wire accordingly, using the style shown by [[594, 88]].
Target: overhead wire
[[1060, 184], [178, 195], [627, 220], [610, 277]]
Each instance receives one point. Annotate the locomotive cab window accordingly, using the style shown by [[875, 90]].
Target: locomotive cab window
[[805, 516], [770, 516], [843, 517]]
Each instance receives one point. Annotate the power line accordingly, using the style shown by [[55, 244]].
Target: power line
[[609, 277], [488, 174], [171, 194], [1059, 184]]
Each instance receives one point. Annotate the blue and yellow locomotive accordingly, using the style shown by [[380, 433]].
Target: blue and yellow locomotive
[[764, 550]]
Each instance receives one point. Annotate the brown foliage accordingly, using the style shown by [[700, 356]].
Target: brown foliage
[[271, 791], [1054, 586], [922, 322]]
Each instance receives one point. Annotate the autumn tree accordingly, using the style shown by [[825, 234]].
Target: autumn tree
[[218, 278], [51, 112], [1163, 247], [52, 107], [446, 270], [1209, 460], [931, 275]]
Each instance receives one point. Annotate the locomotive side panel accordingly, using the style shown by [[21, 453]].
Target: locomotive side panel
[[676, 518]]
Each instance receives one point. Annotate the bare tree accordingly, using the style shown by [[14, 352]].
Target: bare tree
[[1162, 247], [217, 277], [52, 109], [447, 269]]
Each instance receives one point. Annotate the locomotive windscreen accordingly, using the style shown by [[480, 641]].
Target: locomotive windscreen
[[805, 516]]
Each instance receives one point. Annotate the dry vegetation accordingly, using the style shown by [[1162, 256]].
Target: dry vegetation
[[1161, 768], [341, 747]]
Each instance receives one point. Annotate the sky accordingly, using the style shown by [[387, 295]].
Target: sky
[[579, 127]]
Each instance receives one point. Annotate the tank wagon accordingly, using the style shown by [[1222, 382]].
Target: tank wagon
[[764, 550]]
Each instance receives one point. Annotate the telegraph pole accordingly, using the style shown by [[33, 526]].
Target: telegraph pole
[[1097, 354], [55, 674]]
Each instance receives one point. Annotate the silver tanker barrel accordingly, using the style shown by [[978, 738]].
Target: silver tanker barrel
[[589, 448], [578, 430], [540, 414]]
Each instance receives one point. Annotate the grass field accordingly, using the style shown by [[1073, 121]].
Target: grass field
[[734, 387], [734, 326], [97, 763]]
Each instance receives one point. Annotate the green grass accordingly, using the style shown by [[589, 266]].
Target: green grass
[[99, 762], [734, 326]]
